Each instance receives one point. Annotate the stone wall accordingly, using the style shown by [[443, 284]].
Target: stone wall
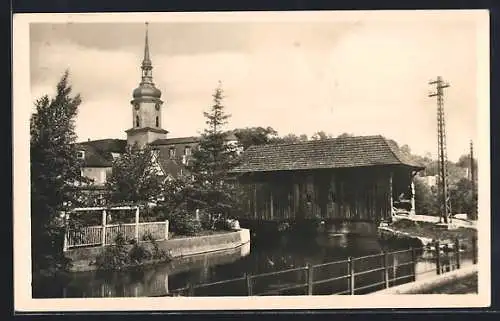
[[83, 258]]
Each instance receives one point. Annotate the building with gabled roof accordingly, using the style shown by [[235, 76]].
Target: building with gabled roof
[[345, 179], [342, 152]]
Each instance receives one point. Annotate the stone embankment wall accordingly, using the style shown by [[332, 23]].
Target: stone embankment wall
[[83, 258]]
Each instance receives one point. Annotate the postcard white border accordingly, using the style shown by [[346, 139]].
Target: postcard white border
[[21, 114]]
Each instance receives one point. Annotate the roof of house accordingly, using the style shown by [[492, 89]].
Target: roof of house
[[342, 152], [98, 153], [177, 140], [186, 140], [169, 166]]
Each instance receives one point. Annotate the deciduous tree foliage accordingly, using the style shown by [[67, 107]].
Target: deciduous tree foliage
[[425, 199], [290, 138], [320, 135], [55, 170], [255, 136], [463, 199], [135, 177]]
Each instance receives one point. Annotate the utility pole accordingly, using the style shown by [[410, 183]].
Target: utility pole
[[471, 156], [444, 198], [473, 181]]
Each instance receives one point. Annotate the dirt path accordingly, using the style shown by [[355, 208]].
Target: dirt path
[[465, 285]]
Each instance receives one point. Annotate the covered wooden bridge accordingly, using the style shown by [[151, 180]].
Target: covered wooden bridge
[[338, 181]]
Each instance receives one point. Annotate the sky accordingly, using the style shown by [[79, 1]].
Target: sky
[[360, 76]]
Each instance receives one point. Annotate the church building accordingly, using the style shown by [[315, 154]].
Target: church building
[[171, 154]]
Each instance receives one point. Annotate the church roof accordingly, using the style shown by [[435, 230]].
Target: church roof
[[342, 152]]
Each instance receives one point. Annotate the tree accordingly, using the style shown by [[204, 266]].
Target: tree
[[255, 136], [405, 149], [425, 199], [464, 161], [320, 135], [290, 138], [213, 160], [55, 171], [463, 198], [345, 135], [135, 177]]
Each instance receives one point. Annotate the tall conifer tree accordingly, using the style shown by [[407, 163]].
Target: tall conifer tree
[[213, 160]]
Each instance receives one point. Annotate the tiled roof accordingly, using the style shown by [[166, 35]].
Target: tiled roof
[[342, 152], [177, 140], [169, 166], [186, 140], [98, 152]]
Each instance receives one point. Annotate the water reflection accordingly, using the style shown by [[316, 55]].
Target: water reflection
[[288, 252], [151, 281]]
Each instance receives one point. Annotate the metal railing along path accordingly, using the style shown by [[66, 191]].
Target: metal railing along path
[[393, 268]]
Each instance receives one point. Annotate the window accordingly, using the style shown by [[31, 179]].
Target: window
[[171, 152], [80, 154], [187, 150], [157, 121], [137, 121]]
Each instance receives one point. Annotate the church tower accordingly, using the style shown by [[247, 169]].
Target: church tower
[[146, 106]]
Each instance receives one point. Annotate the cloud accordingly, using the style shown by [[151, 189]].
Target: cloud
[[364, 78]]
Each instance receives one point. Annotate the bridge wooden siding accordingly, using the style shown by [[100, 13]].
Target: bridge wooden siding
[[352, 194], [347, 179]]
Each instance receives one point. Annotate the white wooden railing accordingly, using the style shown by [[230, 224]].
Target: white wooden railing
[[94, 236], [105, 234]]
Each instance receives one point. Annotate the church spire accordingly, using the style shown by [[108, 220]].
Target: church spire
[[146, 87], [147, 66], [147, 60], [146, 105]]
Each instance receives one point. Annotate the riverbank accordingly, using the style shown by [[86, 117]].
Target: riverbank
[[465, 285], [424, 234], [83, 259], [462, 281]]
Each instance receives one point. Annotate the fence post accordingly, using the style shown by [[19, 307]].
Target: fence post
[[386, 269], [474, 250], [190, 289], [352, 286], [166, 230], [457, 252], [438, 257], [137, 224], [310, 277], [248, 278], [65, 242], [103, 227], [414, 263]]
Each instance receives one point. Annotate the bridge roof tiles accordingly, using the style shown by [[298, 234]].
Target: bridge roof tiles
[[342, 152]]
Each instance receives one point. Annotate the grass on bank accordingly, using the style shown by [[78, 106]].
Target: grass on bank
[[432, 231], [173, 235]]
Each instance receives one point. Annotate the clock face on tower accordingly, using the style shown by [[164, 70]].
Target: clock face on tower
[[157, 106], [136, 105]]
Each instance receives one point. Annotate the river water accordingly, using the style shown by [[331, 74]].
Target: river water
[[284, 253]]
